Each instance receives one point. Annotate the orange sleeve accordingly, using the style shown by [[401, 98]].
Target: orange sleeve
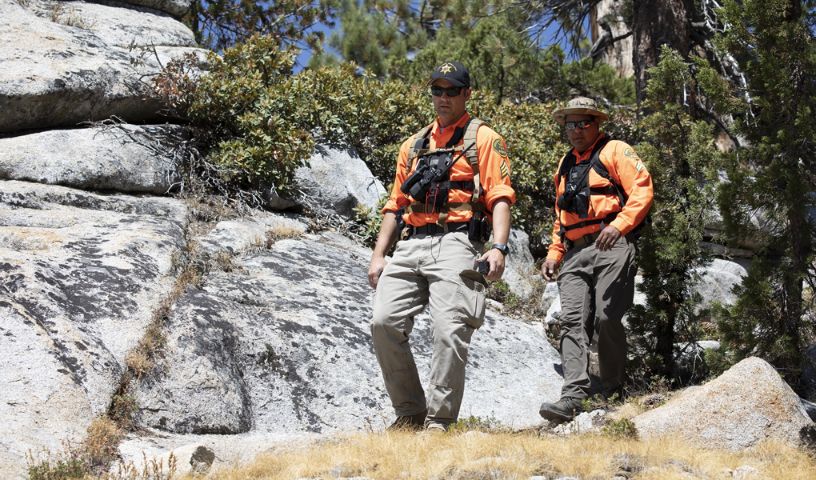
[[494, 167], [556, 249], [397, 199], [636, 181]]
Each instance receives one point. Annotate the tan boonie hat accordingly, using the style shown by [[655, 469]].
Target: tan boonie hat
[[579, 106]]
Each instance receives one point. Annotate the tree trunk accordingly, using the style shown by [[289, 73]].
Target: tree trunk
[[618, 55], [799, 250], [657, 23]]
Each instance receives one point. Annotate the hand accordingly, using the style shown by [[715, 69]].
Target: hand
[[607, 238], [375, 269], [496, 260], [548, 269]]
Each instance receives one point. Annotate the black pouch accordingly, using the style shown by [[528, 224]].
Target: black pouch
[[486, 229], [478, 227]]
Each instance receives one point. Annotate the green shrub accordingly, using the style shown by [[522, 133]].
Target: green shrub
[[623, 428], [263, 122], [70, 465], [480, 424]]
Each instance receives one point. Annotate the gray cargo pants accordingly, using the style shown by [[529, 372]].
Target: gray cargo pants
[[436, 271], [604, 282]]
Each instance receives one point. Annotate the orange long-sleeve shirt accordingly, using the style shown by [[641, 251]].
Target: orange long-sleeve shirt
[[494, 172], [626, 168]]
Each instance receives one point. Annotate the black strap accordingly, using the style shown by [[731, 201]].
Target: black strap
[[457, 137], [607, 219], [616, 189], [607, 190], [594, 158], [461, 185], [423, 142], [434, 229]]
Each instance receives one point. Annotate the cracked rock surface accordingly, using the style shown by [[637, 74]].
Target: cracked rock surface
[[80, 274], [125, 158], [281, 343], [60, 69]]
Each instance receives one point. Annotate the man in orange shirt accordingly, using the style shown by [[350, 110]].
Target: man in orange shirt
[[603, 194], [452, 181]]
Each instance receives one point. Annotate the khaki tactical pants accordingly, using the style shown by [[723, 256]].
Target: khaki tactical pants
[[436, 271], [603, 282]]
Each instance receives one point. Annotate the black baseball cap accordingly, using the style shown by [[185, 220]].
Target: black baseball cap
[[454, 72]]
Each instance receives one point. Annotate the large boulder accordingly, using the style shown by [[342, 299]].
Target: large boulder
[[278, 342], [117, 26], [338, 180], [176, 8], [57, 75], [81, 275], [520, 273], [745, 405], [124, 158]]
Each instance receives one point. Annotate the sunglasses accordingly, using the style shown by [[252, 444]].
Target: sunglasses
[[449, 91], [579, 124]]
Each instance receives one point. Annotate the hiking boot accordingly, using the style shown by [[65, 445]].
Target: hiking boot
[[409, 422], [432, 426], [561, 411]]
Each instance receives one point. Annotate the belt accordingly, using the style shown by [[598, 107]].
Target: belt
[[581, 242], [434, 229]]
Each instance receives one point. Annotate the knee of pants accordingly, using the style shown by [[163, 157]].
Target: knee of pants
[[386, 326], [609, 318], [453, 336]]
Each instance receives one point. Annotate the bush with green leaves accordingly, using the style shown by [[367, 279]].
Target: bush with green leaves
[[680, 155], [262, 122]]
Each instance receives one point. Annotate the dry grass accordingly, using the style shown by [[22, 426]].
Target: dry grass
[[69, 16], [151, 469], [102, 443], [477, 455], [281, 233], [141, 359]]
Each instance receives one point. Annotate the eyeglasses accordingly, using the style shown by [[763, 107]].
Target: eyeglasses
[[449, 91], [578, 124]]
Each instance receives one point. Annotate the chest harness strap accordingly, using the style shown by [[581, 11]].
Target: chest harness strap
[[462, 143]]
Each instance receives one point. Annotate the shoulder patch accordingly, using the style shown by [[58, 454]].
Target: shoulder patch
[[499, 146], [504, 168], [630, 152]]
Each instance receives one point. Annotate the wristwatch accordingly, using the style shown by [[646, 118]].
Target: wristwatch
[[502, 247]]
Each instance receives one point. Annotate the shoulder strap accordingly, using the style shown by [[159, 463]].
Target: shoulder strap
[[594, 160], [420, 144], [468, 137], [472, 154], [601, 170], [566, 165]]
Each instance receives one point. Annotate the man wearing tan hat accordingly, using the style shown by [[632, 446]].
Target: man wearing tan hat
[[452, 186], [603, 195]]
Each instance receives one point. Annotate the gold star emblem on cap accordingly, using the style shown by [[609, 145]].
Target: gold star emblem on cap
[[447, 68]]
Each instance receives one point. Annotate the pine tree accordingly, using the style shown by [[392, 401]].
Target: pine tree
[[219, 24], [773, 177], [680, 155]]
